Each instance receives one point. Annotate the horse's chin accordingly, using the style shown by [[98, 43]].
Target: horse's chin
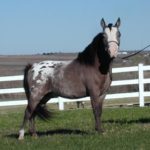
[[113, 55]]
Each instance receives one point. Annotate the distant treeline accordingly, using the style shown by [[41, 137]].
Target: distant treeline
[[121, 51], [48, 53]]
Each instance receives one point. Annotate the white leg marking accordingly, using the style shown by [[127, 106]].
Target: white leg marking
[[21, 134]]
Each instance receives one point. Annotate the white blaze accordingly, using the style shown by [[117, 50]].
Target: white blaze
[[112, 39]]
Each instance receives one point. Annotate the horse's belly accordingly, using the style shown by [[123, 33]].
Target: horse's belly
[[70, 90], [69, 93]]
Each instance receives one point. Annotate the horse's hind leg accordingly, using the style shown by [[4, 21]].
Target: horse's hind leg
[[26, 118], [29, 117], [32, 129]]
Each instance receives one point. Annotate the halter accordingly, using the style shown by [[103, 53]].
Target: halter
[[114, 42]]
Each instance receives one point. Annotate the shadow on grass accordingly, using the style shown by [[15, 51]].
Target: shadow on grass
[[62, 131], [125, 121], [79, 132], [53, 132]]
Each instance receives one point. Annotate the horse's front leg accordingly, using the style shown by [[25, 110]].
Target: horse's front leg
[[97, 104]]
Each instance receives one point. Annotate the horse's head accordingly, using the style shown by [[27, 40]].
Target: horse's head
[[111, 37]]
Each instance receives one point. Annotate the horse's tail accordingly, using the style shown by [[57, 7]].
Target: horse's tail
[[25, 81], [43, 113], [41, 109]]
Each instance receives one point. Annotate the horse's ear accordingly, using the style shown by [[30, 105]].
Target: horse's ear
[[118, 23], [103, 24]]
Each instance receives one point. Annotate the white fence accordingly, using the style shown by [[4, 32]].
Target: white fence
[[140, 81]]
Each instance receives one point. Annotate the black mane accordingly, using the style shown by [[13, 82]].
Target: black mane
[[96, 47], [88, 55]]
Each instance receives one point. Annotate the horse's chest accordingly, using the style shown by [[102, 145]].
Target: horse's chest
[[104, 83]]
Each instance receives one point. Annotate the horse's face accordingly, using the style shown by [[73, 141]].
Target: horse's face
[[111, 37]]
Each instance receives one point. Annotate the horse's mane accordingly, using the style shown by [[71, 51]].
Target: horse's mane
[[95, 48]]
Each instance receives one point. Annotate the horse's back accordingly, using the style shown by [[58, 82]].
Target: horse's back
[[62, 78]]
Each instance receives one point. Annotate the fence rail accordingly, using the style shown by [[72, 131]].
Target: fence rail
[[140, 81]]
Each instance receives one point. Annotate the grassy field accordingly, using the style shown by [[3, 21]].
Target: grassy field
[[125, 129]]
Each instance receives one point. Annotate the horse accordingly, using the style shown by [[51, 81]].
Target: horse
[[89, 74]]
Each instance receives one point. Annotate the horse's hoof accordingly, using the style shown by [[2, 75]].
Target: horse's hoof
[[101, 131], [20, 138], [34, 135]]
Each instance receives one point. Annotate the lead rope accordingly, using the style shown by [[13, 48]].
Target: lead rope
[[135, 53]]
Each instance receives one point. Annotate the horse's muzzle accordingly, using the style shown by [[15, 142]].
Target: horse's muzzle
[[113, 49]]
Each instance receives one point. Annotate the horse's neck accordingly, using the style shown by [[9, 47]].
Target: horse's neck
[[104, 64]]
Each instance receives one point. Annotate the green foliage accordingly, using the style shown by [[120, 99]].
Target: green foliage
[[125, 128]]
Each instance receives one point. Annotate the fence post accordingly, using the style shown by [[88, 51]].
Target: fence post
[[141, 85], [60, 103]]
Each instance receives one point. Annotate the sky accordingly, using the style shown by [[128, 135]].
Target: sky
[[38, 26]]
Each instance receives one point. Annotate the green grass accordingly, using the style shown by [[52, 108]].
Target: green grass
[[125, 129]]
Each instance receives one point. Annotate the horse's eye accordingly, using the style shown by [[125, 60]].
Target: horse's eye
[[118, 34], [104, 35]]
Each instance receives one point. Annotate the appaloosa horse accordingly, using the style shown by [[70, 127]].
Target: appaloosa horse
[[87, 75]]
